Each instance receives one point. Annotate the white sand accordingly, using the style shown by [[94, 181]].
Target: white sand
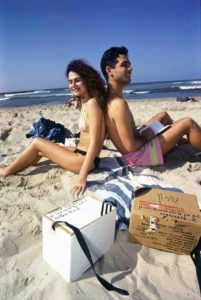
[[146, 273]]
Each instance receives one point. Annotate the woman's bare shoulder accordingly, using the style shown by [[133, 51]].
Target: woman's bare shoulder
[[92, 103]]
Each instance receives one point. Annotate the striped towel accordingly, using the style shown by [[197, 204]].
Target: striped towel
[[119, 184]]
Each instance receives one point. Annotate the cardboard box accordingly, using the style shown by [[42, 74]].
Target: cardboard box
[[60, 247], [165, 220]]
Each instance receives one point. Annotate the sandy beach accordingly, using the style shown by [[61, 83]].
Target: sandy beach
[[146, 273]]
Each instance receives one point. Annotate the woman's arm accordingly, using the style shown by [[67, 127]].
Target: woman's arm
[[95, 121]]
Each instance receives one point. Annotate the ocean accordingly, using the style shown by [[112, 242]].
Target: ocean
[[133, 91]]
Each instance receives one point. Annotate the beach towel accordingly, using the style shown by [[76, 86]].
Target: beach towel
[[118, 188]]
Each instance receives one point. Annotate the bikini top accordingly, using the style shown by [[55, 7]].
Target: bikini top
[[83, 124]]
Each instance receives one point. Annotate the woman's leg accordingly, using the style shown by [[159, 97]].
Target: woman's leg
[[26, 159], [41, 147], [172, 136]]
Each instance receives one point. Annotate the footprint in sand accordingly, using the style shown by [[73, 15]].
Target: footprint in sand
[[8, 247], [4, 133], [192, 167]]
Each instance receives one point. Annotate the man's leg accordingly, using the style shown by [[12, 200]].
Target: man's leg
[[172, 136], [163, 117]]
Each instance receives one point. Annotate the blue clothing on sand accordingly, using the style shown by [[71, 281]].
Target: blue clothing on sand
[[49, 130]]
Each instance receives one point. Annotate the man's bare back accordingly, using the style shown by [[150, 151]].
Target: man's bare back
[[121, 126]]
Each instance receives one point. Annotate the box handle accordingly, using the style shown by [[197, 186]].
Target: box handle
[[86, 251], [106, 207]]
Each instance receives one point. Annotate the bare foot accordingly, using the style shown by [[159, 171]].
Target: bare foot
[[4, 172]]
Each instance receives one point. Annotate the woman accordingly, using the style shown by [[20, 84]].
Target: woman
[[87, 86]]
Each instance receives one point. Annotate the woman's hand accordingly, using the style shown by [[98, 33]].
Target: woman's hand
[[78, 187]]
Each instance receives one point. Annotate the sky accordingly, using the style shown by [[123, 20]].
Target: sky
[[39, 37]]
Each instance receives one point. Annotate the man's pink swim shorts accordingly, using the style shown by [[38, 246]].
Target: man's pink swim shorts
[[148, 155]]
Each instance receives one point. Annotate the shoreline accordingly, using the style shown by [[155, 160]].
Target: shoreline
[[149, 100]]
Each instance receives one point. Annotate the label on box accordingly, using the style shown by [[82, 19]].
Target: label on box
[[78, 213]]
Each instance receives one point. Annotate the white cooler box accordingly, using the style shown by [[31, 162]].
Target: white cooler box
[[61, 248]]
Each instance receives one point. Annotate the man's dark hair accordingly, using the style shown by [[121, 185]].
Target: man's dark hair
[[109, 58]]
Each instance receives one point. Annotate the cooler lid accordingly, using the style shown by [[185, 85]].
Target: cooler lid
[[79, 213]]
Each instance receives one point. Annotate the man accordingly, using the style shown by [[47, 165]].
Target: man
[[117, 69]]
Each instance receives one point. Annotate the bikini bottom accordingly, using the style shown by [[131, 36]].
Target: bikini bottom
[[96, 160]]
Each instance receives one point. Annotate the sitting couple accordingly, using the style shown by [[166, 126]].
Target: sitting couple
[[105, 112]]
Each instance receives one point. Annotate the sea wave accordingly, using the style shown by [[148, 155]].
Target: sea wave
[[45, 91], [142, 92], [5, 98], [135, 92], [33, 95], [191, 87], [128, 91], [20, 94], [196, 82], [26, 93], [51, 95], [66, 94]]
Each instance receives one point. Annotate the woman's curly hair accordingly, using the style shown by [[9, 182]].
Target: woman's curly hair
[[91, 78]]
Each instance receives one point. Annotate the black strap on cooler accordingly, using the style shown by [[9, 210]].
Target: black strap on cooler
[[196, 257], [86, 251]]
